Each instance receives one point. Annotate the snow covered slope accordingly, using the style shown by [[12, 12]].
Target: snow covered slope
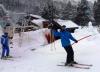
[[46, 58]]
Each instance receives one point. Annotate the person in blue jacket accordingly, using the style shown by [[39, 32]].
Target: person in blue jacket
[[65, 37], [5, 46]]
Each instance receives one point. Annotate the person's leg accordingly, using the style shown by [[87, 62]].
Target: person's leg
[[3, 52], [70, 54], [7, 51]]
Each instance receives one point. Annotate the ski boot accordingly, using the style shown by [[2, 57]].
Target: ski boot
[[9, 57], [68, 64], [4, 58]]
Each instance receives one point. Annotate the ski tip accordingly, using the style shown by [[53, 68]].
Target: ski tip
[[33, 49], [60, 65]]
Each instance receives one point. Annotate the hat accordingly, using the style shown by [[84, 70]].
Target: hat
[[64, 26], [6, 33]]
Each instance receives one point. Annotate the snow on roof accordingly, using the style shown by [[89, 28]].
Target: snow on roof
[[67, 23], [38, 21], [37, 16]]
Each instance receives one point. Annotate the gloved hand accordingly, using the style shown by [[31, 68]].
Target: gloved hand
[[76, 41]]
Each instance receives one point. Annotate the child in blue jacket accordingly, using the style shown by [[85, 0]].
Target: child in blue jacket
[[65, 37], [5, 46]]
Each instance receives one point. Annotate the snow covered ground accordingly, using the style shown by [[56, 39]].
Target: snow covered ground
[[46, 58]]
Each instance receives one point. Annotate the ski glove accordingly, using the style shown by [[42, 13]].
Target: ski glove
[[76, 41]]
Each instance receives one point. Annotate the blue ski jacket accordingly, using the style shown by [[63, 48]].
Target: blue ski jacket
[[4, 40], [65, 37]]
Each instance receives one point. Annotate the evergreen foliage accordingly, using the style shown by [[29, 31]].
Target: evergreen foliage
[[97, 12], [83, 13], [49, 12], [69, 11]]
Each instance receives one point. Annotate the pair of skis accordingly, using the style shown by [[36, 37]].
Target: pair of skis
[[79, 65], [8, 59], [11, 58]]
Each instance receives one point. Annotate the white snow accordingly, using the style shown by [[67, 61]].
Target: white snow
[[37, 16], [67, 23], [1, 32], [46, 58], [39, 22]]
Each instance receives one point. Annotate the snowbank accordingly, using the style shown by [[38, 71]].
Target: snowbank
[[32, 38]]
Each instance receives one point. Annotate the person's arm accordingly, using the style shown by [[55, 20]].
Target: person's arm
[[56, 33], [72, 38], [2, 40]]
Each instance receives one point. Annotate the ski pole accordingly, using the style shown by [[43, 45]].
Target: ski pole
[[83, 38]]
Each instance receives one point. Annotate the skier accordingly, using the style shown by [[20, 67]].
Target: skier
[[5, 46], [65, 40]]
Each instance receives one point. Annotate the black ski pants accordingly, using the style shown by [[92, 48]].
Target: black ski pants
[[70, 54]]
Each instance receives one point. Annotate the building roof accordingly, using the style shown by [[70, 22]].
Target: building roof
[[67, 23], [37, 16]]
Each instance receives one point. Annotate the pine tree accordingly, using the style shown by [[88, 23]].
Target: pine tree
[[97, 12], [13, 5], [94, 6], [69, 12], [2, 11], [2, 16], [83, 13], [49, 11]]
